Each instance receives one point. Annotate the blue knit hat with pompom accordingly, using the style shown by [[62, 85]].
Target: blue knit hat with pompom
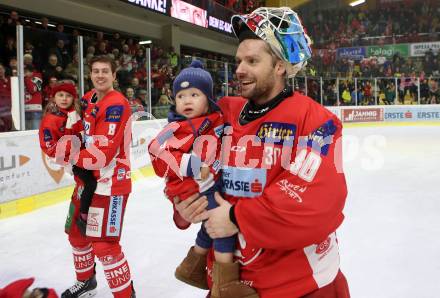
[[194, 76]]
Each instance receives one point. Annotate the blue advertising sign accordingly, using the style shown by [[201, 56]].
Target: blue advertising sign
[[402, 114], [354, 53]]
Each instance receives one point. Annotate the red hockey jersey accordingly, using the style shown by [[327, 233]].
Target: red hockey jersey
[[107, 136], [53, 127], [179, 150], [33, 92], [283, 172]]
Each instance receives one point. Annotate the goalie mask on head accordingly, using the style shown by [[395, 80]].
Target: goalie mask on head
[[281, 28]]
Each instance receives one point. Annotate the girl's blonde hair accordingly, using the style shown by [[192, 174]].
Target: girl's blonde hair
[[51, 106]]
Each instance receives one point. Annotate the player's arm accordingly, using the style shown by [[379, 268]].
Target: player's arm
[[48, 136], [54, 146], [302, 205], [74, 125], [168, 152], [112, 129]]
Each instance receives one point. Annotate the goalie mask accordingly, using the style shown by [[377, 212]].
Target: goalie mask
[[281, 28]]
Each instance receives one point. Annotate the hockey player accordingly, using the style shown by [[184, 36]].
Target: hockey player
[[191, 166], [284, 188], [107, 137]]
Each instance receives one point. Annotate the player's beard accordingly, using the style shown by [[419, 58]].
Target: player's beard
[[262, 89]]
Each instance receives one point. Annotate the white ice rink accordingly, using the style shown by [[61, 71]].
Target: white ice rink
[[390, 240]]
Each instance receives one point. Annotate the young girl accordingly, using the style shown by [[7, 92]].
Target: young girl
[[191, 167], [62, 117]]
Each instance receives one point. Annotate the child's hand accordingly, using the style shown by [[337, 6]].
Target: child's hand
[[204, 172]]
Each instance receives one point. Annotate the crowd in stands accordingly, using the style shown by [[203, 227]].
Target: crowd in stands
[[382, 91], [242, 6], [50, 55], [398, 22], [395, 66]]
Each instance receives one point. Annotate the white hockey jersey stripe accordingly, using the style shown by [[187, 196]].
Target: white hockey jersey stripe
[[105, 182]]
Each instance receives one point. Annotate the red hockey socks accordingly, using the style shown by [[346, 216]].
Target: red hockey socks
[[84, 261], [116, 269]]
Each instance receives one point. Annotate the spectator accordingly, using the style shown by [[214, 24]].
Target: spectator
[[115, 53], [9, 28], [44, 23], [13, 67], [424, 91], [433, 87], [157, 77], [390, 94], [61, 35], [173, 57], [63, 55], [123, 76], [115, 42], [132, 47], [143, 97], [48, 89], [28, 60], [135, 104], [33, 97], [90, 50], [116, 85], [72, 70], [126, 58], [140, 58], [160, 110], [10, 50], [155, 94], [102, 49], [346, 96], [5, 101], [53, 69]]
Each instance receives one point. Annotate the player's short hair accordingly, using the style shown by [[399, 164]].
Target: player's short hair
[[274, 56], [103, 59]]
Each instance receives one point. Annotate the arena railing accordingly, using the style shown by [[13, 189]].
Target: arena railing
[[342, 91]]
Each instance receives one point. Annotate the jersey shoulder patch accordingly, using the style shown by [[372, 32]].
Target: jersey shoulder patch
[[114, 113]]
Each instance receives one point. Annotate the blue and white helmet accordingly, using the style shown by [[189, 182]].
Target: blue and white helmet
[[281, 28]]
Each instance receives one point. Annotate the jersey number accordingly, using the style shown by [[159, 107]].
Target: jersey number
[[111, 129], [306, 165], [271, 155]]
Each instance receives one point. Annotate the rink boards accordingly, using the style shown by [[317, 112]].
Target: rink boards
[[30, 180]]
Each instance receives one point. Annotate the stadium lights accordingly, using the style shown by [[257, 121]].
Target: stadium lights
[[49, 25], [145, 42], [357, 2]]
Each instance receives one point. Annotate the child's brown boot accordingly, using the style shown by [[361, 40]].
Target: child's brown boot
[[226, 282], [192, 270]]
